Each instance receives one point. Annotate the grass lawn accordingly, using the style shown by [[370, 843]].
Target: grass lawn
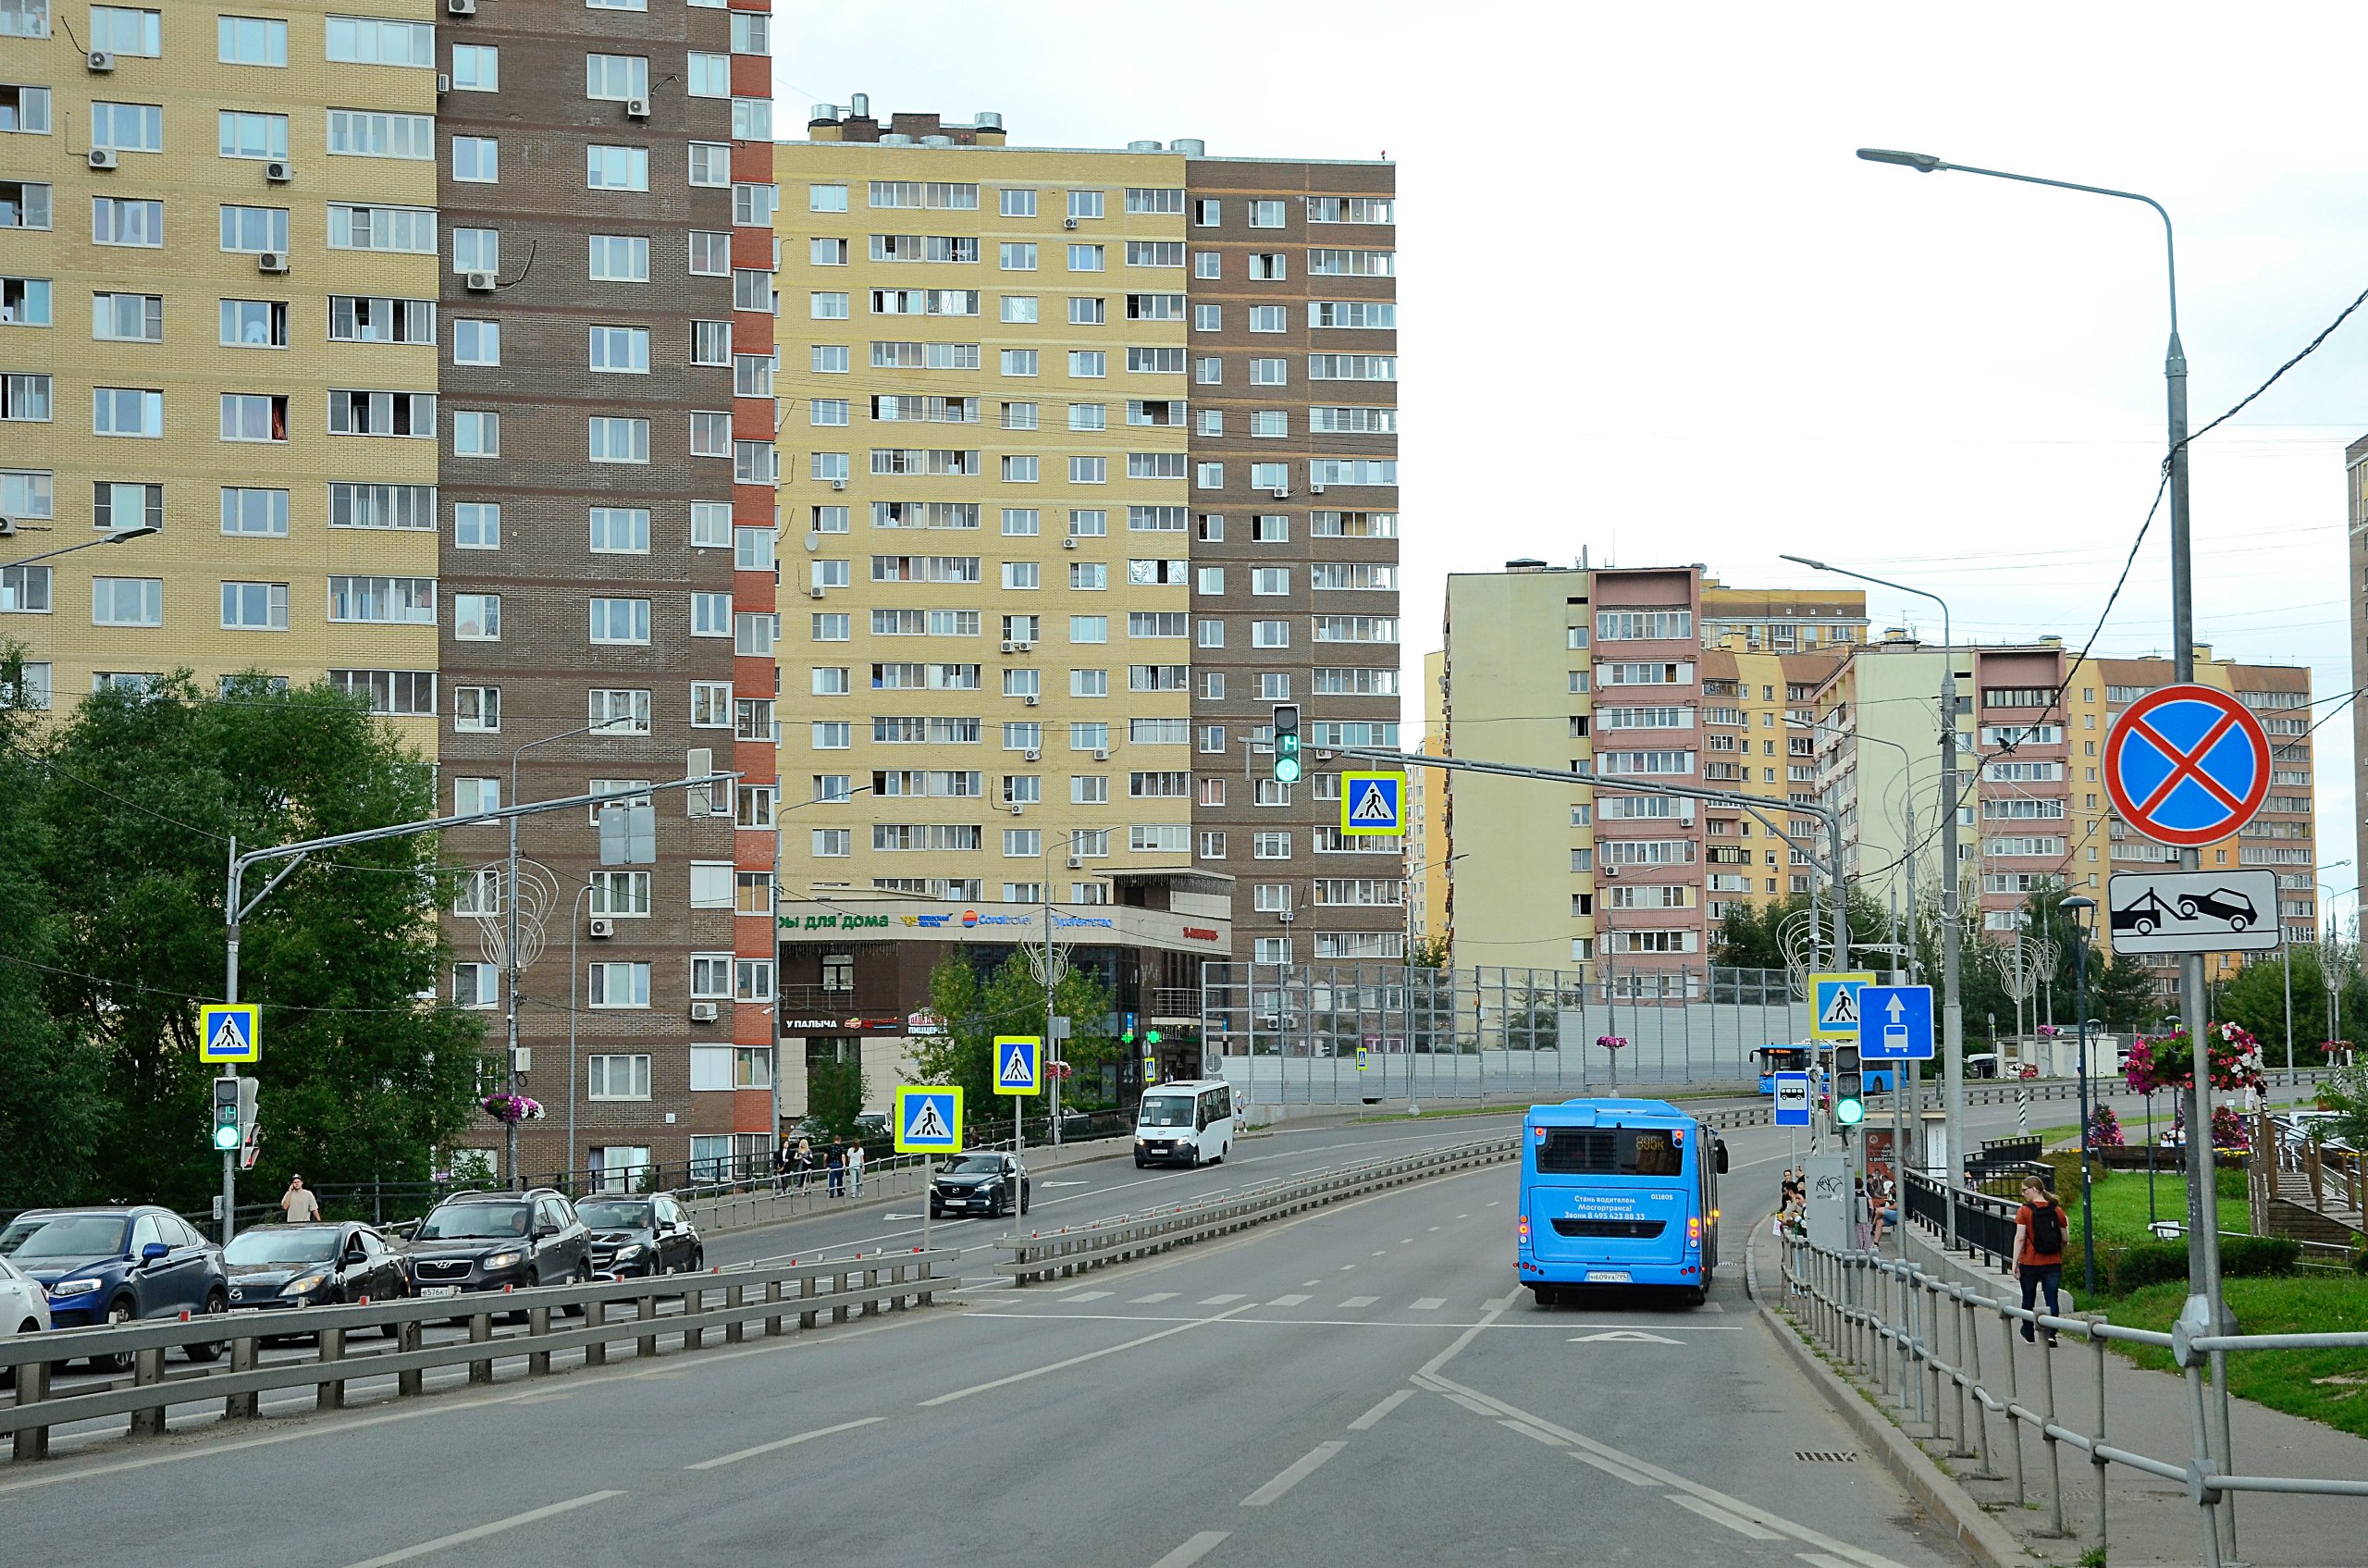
[[2120, 1203], [2327, 1386]]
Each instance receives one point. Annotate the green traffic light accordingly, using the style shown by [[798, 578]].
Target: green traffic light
[[1153, 1037], [225, 1135], [1849, 1112], [1286, 770]]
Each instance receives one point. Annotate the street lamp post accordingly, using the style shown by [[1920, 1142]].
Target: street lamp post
[[2082, 911], [1952, 1011], [114, 537], [2206, 1306]]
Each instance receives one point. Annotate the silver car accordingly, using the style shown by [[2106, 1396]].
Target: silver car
[[24, 1307]]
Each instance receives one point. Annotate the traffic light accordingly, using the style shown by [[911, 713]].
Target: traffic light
[[1286, 762], [1849, 1087], [226, 1114], [1150, 1036], [1126, 1035]]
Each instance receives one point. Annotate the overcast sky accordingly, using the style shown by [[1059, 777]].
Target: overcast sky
[[1652, 306]]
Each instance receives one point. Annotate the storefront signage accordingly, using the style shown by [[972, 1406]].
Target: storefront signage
[[834, 922]]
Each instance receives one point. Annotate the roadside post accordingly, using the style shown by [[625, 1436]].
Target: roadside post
[[227, 1035], [1020, 1073], [1897, 1027]]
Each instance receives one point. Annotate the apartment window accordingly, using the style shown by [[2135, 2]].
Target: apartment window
[[258, 416], [139, 127], [620, 530], [115, 411], [619, 711], [370, 40], [826, 198], [368, 414], [1085, 258], [355, 134], [249, 41], [618, 439], [254, 606], [711, 525], [1270, 372], [130, 319], [476, 68], [24, 204], [476, 250], [405, 602], [1014, 256], [1270, 845], [621, 621], [620, 1078], [116, 220], [121, 31], [1270, 422], [254, 512], [1020, 362], [127, 601], [1089, 364], [1269, 266], [476, 709], [476, 617], [475, 526], [710, 254], [752, 120], [477, 160], [1269, 318], [476, 343], [1087, 312], [610, 167], [1089, 470], [621, 350], [246, 324], [620, 259], [476, 433], [116, 506], [24, 590], [620, 986], [711, 75]]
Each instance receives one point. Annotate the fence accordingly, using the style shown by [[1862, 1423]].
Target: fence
[[1883, 1317], [723, 1302]]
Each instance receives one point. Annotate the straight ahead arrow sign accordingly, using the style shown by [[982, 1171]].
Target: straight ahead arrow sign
[[1897, 1007]]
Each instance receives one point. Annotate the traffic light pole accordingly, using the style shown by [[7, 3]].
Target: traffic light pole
[[234, 911]]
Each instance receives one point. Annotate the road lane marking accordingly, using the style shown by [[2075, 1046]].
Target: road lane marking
[[1299, 1470], [1088, 1296], [1076, 1360], [1295, 1299], [1383, 1253], [1620, 1471], [1474, 1406], [1360, 1301], [1430, 1229], [1192, 1551], [1372, 1418], [1740, 1525], [777, 1443], [461, 1537], [1428, 1303], [1222, 1301], [1526, 1430], [1152, 1300], [1819, 1560]]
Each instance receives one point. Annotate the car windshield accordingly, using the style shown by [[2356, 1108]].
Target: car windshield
[[309, 1244], [64, 1236], [614, 1217], [1166, 1110], [463, 1221], [978, 1165]]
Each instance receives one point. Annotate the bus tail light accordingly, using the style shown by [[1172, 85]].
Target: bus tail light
[[1694, 1231], [1521, 1230]]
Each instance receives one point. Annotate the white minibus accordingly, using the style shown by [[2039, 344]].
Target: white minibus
[[1184, 1123]]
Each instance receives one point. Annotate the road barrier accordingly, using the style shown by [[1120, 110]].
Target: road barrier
[[688, 1308], [1073, 1251], [1883, 1317]]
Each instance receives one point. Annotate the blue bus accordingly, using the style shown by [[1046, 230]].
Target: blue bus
[[1772, 1060], [1618, 1192]]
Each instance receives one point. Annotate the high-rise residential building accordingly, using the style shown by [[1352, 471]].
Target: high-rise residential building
[[2032, 810], [437, 341], [1091, 454], [1609, 675]]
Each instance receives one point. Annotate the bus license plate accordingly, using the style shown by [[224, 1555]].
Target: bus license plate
[[1606, 1277]]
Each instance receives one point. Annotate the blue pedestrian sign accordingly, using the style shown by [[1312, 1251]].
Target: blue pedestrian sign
[[2187, 765], [929, 1120], [1895, 1023], [231, 1034], [1373, 803], [1019, 1064], [1791, 1098]]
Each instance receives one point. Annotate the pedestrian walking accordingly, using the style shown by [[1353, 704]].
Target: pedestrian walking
[[837, 1159], [781, 1165], [855, 1168], [2039, 1249], [298, 1205], [804, 1161]]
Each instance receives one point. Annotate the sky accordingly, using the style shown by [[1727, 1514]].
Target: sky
[[1652, 308]]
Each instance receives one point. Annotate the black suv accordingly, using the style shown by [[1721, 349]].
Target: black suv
[[641, 1235], [484, 1241]]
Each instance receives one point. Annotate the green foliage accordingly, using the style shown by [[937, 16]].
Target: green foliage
[[127, 829], [834, 1094], [2323, 1386], [2346, 1094], [974, 1007], [2136, 1264], [1430, 953], [1751, 938]]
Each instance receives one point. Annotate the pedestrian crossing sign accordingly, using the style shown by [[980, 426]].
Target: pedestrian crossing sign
[[1836, 999], [1017, 1064], [231, 1034], [929, 1119], [1373, 804]]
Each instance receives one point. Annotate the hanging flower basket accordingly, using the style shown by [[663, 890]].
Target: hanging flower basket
[[2105, 1129], [2154, 1066], [511, 1109], [1612, 1042], [2048, 1031]]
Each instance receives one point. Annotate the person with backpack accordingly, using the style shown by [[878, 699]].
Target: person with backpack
[[2039, 1249]]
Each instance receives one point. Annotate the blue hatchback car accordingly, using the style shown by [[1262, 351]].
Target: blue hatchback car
[[119, 1264]]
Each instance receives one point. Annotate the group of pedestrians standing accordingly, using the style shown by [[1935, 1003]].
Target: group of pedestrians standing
[[841, 1164]]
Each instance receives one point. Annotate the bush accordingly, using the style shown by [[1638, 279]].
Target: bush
[[2140, 1263], [2066, 1180]]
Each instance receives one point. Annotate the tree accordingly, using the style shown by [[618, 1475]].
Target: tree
[[55, 1111], [974, 1006], [140, 801], [834, 1092], [1752, 937], [1430, 953]]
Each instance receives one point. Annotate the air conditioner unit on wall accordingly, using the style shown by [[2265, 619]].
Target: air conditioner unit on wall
[[1069, 223], [480, 282], [1076, 862], [705, 1012], [271, 261], [461, 8], [638, 108], [603, 927], [1102, 753], [103, 158], [100, 60], [278, 171], [1030, 699]]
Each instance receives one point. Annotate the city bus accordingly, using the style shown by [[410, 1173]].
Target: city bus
[[1618, 1192], [1773, 1059]]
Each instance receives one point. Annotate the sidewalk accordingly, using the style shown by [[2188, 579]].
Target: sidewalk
[[2149, 1521]]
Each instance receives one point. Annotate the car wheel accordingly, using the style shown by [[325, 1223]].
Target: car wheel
[[1547, 1296], [1696, 1295], [1139, 1162], [583, 1276], [118, 1313], [1023, 1200], [698, 1263], [215, 1305]]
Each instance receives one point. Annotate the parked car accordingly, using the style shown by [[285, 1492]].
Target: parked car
[[2296, 1128], [485, 1240], [117, 1265], [632, 1237], [24, 1308], [981, 1183], [1982, 1064], [300, 1265]]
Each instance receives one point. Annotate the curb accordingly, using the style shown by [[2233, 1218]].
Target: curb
[[1989, 1543]]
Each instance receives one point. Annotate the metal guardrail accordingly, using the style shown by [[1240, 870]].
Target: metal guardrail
[[1074, 1249], [1883, 1316], [723, 1302]]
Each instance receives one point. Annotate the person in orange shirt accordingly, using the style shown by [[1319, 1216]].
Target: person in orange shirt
[[2039, 1249]]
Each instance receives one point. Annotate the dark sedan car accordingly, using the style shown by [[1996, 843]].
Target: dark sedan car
[[485, 1240], [632, 1237], [117, 1265], [301, 1265], [980, 1184]]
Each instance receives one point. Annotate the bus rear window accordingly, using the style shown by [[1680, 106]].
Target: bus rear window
[[1610, 1151]]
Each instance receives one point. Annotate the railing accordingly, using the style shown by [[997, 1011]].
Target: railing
[[686, 1308], [1074, 1249], [1883, 1316]]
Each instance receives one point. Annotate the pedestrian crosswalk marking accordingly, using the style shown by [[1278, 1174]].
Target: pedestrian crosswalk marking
[[1152, 1299], [1429, 1303], [1221, 1301], [1293, 1300], [1360, 1301], [1089, 1296]]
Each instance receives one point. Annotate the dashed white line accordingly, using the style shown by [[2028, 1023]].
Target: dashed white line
[[1620, 1471], [1300, 1470], [461, 1537], [1717, 1515], [1526, 1430], [1192, 1551], [1066, 1364], [1360, 1301], [723, 1460], [1372, 1418]]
